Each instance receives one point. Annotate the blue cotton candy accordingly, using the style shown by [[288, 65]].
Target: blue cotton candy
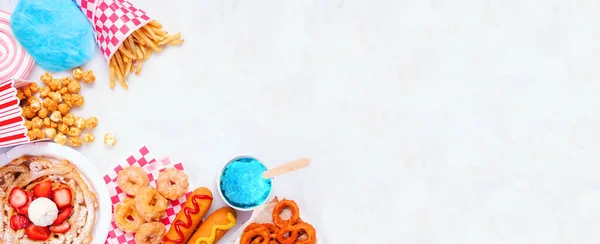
[[54, 32]]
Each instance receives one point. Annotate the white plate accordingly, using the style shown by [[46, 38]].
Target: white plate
[[91, 174]]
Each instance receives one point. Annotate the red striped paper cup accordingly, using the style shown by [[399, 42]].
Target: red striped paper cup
[[114, 21], [12, 127], [15, 63]]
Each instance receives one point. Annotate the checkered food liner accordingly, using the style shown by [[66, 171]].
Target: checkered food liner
[[144, 159], [114, 21]]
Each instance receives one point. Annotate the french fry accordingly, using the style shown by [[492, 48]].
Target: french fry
[[148, 53], [125, 52], [119, 62], [140, 53], [127, 69], [159, 32], [138, 38], [121, 78], [138, 69], [155, 23], [148, 30], [112, 73], [150, 43], [170, 38], [176, 42]]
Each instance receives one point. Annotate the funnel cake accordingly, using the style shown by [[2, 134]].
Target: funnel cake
[[58, 180]]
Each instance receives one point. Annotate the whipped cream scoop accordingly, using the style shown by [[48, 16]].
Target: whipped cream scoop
[[42, 211]]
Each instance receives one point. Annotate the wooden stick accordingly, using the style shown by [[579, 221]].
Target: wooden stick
[[286, 168]]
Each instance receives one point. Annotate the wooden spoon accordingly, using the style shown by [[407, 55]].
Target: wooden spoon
[[286, 168]]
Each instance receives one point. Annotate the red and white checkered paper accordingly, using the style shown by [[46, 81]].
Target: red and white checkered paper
[[12, 127], [141, 158], [114, 21]]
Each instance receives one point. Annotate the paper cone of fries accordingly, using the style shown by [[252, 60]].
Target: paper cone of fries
[[114, 21]]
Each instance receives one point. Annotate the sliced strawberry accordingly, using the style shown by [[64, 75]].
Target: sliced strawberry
[[62, 197], [63, 215], [17, 198], [18, 222], [24, 210], [61, 228], [43, 189], [38, 233]]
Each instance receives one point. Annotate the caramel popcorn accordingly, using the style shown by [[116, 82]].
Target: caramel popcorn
[[44, 91], [91, 122], [75, 141], [53, 125], [65, 81], [77, 100], [68, 119], [64, 91], [74, 131], [27, 91], [50, 104], [28, 113], [56, 116], [67, 98], [64, 108], [88, 76], [47, 122], [109, 139], [28, 124], [80, 122], [74, 87], [78, 73], [20, 94], [43, 113], [88, 137], [50, 132], [55, 96], [60, 139], [46, 77], [37, 122], [36, 134], [34, 104], [62, 128], [55, 84], [33, 87]]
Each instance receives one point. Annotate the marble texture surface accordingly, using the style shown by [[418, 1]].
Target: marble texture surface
[[427, 121]]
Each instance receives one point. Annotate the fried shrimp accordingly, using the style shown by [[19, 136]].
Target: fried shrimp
[[172, 183], [126, 216], [150, 204], [150, 233], [131, 179]]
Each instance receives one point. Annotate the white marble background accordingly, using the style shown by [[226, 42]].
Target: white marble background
[[427, 121]]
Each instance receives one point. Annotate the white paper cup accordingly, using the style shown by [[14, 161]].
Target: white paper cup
[[223, 196]]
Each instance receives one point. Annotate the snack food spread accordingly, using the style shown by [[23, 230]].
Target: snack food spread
[[242, 184], [45, 199]]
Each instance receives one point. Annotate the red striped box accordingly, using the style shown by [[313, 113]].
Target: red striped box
[[12, 127]]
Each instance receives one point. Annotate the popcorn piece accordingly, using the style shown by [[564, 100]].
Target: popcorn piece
[[50, 104], [68, 119], [33, 87], [67, 98], [74, 87], [77, 73], [91, 122], [28, 124], [75, 141], [88, 76], [64, 91], [34, 104], [47, 122], [80, 122], [53, 125], [46, 78], [43, 113], [36, 134], [27, 91], [88, 137], [65, 81], [110, 139], [50, 132], [28, 113], [44, 91], [77, 100], [56, 116], [62, 128], [55, 84], [60, 139], [20, 94], [74, 131], [56, 96], [37, 122], [64, 108]]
